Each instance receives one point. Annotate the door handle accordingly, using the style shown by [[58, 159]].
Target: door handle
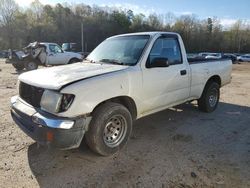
[[183, 72]]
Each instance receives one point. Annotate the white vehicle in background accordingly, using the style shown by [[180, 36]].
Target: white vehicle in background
[[56, 56], [125, 78], [208, 55], [41, 54], [244, 58], [214, 56]]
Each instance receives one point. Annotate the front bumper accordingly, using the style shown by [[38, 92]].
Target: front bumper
[[47, 129], [12, 61]]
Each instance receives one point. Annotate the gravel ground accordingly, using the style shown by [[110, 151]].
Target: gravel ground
[[179, 147]]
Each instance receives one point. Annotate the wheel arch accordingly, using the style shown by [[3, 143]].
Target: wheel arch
[[126, 101], [203, 100], [215, 78], [73, 58]]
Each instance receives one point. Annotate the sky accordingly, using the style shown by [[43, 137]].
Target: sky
[[228, 11]]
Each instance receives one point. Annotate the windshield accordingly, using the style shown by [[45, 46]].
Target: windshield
[[124, 50]]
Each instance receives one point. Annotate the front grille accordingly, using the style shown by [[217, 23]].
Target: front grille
[[30, 94]]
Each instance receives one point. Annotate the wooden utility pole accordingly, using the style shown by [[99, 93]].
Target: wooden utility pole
[[82, 37]]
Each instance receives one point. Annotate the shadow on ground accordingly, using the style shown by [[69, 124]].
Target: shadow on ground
[[176, 147], [18, 72]]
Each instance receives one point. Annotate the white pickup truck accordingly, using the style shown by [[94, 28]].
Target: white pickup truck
[[125, 78], [43, 53]]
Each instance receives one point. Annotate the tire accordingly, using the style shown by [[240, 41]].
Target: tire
[[210, 97], [31, 65], [18, 66], [74, 60], [109, 129]]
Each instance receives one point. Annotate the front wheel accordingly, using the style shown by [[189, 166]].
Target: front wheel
[[18, 66], [31, 65], [210, 97], [110, 128]]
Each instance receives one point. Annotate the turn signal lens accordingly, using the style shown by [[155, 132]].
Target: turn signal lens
[[50, 136]]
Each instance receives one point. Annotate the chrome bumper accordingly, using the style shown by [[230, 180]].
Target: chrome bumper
[[47, 129], [38, 118]]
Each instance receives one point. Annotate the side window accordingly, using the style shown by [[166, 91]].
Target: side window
[[166, 48], [55, 49]]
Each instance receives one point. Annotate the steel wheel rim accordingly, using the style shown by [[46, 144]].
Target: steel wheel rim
[[115, 131], [213, 97], [31, 65]]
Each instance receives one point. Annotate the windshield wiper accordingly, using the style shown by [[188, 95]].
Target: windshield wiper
[[112, 61]]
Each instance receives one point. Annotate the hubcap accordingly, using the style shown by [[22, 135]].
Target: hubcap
[[213, 97], [115, 131]]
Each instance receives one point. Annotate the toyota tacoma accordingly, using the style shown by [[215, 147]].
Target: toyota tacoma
[[125, 78]]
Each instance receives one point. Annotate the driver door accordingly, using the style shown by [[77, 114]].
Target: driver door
[[168, 85], [55, 55]]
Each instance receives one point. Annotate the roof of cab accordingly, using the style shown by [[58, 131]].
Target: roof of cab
[[47, 43], [151, 33]]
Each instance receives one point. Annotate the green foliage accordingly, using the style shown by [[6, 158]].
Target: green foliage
[[62, 23]]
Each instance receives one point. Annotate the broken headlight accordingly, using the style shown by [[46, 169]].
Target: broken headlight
[[55, 102]]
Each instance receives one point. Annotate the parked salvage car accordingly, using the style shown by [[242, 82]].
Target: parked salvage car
[[244, 58], [41, 54], [125, 78], [214, 56], [209, 55], [4, 54], [230, 56]]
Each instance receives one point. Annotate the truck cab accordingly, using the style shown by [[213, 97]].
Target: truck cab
[[56, 56]]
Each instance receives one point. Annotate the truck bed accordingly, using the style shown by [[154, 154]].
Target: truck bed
[[203, 60], [203, 69]]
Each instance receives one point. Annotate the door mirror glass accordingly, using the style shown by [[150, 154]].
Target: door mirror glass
[[159, 62]]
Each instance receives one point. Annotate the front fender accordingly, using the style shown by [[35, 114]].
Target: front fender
[[92, 91]]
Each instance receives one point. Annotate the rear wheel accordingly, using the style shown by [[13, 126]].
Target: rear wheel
[[109, 129], [210, 97], [31, 65]]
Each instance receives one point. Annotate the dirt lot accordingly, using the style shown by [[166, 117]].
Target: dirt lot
[[180, 147]]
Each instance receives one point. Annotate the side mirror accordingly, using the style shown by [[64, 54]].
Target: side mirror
[[159, 62]]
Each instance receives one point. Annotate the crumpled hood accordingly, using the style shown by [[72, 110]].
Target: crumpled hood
[[56, 77]]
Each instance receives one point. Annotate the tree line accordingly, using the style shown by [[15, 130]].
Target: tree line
[[62, 23]]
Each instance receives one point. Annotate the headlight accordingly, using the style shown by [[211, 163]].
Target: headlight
[[55, 102]]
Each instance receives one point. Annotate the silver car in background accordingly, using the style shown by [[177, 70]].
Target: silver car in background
[[244, 58]]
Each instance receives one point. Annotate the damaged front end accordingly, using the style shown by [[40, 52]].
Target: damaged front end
[[48, 129]]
